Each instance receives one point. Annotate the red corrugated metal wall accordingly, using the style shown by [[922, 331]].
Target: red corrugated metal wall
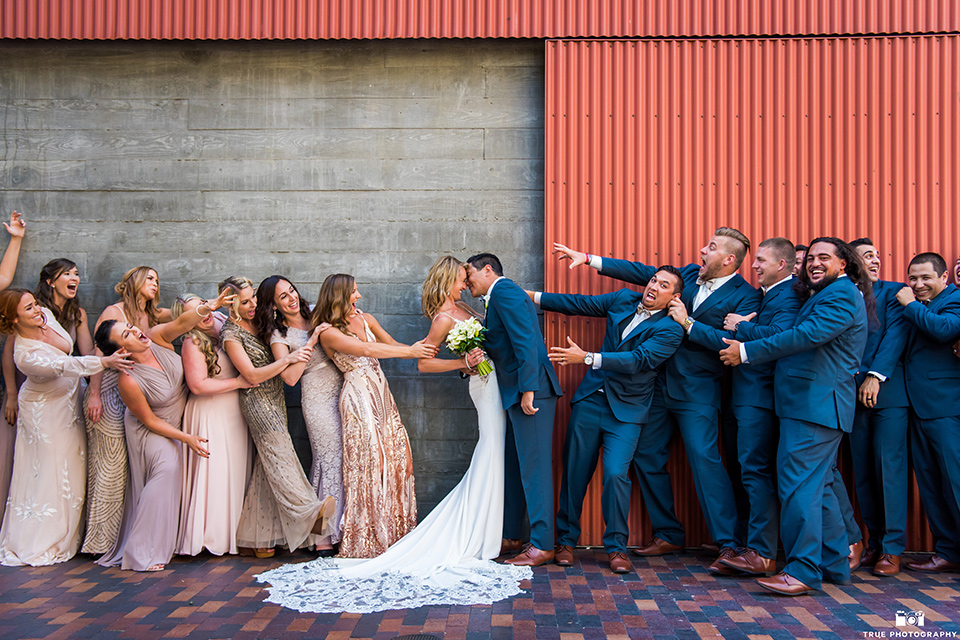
[[285, 19], [650, 145]]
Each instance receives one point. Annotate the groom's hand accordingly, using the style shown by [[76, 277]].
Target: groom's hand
[[576, 258], [526, 403], [570, 355]]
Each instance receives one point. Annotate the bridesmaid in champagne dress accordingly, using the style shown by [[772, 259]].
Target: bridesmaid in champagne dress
[[280, 506], [107, 465], [283, 319], [213, 488], [154, 395], [378, 483], [42, 520]]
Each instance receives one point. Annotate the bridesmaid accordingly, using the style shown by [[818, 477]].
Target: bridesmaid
[[8, 266], [212, 488], [283, 320], [155, 396], [41, 525], [280, 505], [107, 452], [381, 506]]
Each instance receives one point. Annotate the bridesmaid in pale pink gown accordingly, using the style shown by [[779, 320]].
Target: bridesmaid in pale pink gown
[[155, 396], [8, 266], [213, 488]]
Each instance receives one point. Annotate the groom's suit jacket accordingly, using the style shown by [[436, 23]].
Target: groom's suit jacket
[[516, 345], [629, 366]]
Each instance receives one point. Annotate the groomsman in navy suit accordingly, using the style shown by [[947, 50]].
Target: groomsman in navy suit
[[878, 442], [529, 388], [689, 395], [612, 402], [758, 429], [932, 372], [815, 397]]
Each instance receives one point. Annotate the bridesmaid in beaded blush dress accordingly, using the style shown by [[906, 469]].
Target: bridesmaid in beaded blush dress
[[378, 483]]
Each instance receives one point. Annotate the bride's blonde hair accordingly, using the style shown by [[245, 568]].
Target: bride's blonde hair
[[440, 280]]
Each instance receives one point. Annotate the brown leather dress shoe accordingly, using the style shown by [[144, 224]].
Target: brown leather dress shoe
[[784, 584], [887, 565], [935, 564], [870, 557], [509, 545], [719, 568], [751, 563], [563, 555], [657, 547], [856, 554], [531, 557], [619, 563]]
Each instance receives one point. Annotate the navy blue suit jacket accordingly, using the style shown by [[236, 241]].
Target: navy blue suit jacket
[[885, 346], [516, 345], [693, 373], [931, 369], [629, 367], [818, 359], [753, 383]]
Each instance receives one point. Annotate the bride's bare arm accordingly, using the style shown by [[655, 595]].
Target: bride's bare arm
[[438, 333]]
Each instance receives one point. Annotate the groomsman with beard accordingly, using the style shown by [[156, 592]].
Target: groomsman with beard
[[689, 395], [529, 389], [612, 402], [932, 371], [758, 429], [816, 361], [878, 442]]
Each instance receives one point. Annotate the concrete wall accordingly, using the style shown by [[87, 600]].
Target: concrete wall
[[298, 158]]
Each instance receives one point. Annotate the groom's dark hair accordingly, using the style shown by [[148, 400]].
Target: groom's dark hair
[[481, 260]]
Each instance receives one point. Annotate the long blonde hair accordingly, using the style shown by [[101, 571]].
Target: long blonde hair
[[206, 344], [238, 284], [436, 288], [333, 303], [129, 291]]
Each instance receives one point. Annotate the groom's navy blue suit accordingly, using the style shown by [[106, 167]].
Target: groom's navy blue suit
[[516, 346], [609, 408], [688, 395]]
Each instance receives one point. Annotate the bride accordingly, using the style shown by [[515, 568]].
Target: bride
[[448, 558]]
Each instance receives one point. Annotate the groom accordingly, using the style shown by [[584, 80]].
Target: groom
[[529, 389]]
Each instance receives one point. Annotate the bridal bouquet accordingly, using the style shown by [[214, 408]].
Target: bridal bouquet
[[466, 336]]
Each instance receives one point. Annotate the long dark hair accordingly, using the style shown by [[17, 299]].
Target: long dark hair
[[69, 316], [267, 317], [856, 270]]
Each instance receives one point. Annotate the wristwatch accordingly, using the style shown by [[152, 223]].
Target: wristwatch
[[588, 359], [687, 323]]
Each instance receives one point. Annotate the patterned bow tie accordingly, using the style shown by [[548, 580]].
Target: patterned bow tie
[[643, 313], [706, 283]]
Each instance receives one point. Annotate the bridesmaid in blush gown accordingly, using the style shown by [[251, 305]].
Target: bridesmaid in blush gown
[[448, 558], [380, 504], [42, 521], [155, 396], [213, 488], [16, 228]]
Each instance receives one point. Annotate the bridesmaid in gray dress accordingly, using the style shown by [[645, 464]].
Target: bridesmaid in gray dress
[[155, 396], [283, 320]]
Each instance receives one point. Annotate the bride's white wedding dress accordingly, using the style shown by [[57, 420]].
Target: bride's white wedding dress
[[447, 559]]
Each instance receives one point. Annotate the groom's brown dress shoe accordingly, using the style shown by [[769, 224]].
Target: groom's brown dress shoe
[[784, 584], [563, 555], [531, 557], [935, 564], [619, 562], [719, 567], [751, 563], [657, 547], [509, 545], [887, 565]]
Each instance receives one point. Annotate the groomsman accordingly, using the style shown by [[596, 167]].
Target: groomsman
[[931, 370], [689, 394], [815, 392], [758, 429], [878, 442], [612, 402]]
